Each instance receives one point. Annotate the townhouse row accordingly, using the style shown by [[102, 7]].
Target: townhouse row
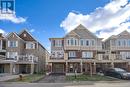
[[21, 53], [81, 51]]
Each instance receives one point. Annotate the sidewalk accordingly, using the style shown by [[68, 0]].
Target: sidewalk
[[5, 77]]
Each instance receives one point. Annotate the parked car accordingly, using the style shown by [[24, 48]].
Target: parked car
[[117, 73]]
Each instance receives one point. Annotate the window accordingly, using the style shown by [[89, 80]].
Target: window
[[87, 42], [87, 54], [81, 42], [30, 45], [92, 42], [125, 55], [24, 35], [124, 42], [128, 43], [68, 42], [57, 54], [57, 43], [72, 42], [72, 54], [118, 43], [12, 43], [12, 55]]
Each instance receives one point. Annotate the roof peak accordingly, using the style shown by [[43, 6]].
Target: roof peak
[[80, 26], [125, 32]]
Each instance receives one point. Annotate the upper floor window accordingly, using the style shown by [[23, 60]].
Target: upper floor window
[[129, 42], [125, 55], [12, 43], [72, 42], [81, 42], [30, 45], [123, 42], [92, 42], [57, 43], [57, 54], [12, 55], [72, 54], [24, 35], [87, 54], [119, 43], [87, 42]]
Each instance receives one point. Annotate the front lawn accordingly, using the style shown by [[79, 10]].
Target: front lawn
[[28, 78], [89, 78]]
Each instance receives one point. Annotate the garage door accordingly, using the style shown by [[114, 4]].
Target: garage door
[[58, 68]]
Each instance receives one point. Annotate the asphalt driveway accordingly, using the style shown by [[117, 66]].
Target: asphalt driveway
[[54, 78]]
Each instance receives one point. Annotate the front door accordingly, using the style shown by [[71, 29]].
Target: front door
[[1, 68]]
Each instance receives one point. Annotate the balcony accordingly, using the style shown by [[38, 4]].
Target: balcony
[[56, 58], [118, 57], [24, 58], [2, 57]]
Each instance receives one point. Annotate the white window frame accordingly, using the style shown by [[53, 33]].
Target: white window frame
[[82, 40], [30, 45], [12, 55], [86, 54], [125, 55], [72, 54], [57, 54], [72, 41], [14, 43], [58, 43]]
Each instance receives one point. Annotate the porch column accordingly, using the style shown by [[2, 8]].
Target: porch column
[[91, 69], [112, 65], [32, 68], [94, 68], [11, 68], [127, 66], [81, 67], [66, 67]]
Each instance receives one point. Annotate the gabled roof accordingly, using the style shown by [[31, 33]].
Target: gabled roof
[[14, 34], [71, 33], [123, 33], [29, 37], [83, 32]]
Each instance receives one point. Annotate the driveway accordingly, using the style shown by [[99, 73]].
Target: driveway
[[54, 78]]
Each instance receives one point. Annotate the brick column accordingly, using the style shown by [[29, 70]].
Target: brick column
[[66, 66], [112, 65], [32, 68], [91, 70], [81, 67], [94, 68], [11, 68]]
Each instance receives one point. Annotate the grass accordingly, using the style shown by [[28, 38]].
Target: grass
[[89, 78], [28, 78]]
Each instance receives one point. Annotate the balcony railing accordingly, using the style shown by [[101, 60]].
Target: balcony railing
[[57, 58], [118, 57], [2, 57], [24, 58], [105, 57]]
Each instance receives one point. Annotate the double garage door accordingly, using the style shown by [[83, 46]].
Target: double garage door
[[58, 68]]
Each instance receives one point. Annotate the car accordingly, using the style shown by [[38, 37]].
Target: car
[[118, 73]]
